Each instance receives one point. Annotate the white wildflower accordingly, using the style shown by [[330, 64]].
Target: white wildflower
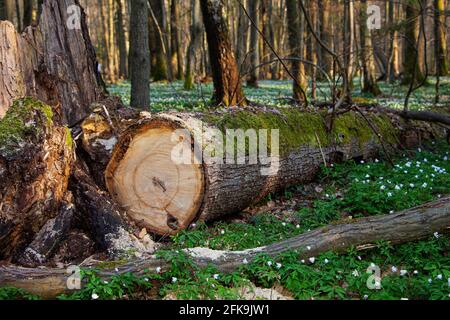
[[94, 296]]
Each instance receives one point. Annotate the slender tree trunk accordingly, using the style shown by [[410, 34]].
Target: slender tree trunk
[[194, 45], [139, 55], [27, 13], [175, 47], [242, 39], [227, 83], [411, 51], [349, 42], [121, 41], [393, 69], [367, 56], [254, 8], [160, 70], [296, 46], [326, 35], [440, 38]]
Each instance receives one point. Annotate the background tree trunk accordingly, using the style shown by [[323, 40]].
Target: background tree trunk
[[412, 53], [370, 84], [440, 38], [175, 46], [121, 41], [139, 55], [254, 12], [227, 83], [159, 48], [296, 44], [197, 31]]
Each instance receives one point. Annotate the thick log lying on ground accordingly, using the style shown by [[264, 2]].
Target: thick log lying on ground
[[165, 196], [406, 226], [36, 155], [44, 62]]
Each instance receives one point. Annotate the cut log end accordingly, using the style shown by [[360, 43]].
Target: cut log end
[[156, 191]]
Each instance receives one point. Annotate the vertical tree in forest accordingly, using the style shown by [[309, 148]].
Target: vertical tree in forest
[[254, 44], [411, 52], [367, 57], [159, 52], [227, 83], [176, 57], [296, 46], [139, 55], [121, 41], [194, 44], [349, 42], [440, 38], [393, 68], [7, 10], [27, 13], [242, 37], [326, 60]]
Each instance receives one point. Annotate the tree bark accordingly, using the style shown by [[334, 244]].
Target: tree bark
[[166, 195], [254, 11], [194, 45], [370, 84], [121, 41], [227, 83], [440, 38], [36, 154], [159, 54], [175, 46], [409, 225], [412, 54], [296, 46], [44, 62], [139, 55]]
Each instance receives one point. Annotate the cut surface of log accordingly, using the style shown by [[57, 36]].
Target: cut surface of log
[[155, 191], [409, 225], [36, 155], [146, 180]]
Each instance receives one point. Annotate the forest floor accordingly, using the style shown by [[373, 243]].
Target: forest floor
[[172, 96], [343, 192]]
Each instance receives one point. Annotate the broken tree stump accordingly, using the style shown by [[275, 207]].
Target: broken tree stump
[[44, 62], [36, 155]]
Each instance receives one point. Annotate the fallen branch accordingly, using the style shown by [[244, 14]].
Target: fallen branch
[[409, 225]]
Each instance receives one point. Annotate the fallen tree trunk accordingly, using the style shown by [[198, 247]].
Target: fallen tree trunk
[[36, 155], [54, 62], [171, 169], [409, 225]]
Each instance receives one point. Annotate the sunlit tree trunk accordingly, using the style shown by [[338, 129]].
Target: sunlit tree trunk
[[175, 47], [121, 41], [440, 38], [412, 53], [349, 44], [296, 45], [194, 45], [242, 38], [393, 69], [158, 44], [367, 56], [227, 83]]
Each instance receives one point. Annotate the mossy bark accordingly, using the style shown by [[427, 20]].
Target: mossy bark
[[305, 143], [35, 164]]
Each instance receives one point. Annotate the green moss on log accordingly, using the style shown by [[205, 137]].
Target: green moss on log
[[21, 121], [300, 128]]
